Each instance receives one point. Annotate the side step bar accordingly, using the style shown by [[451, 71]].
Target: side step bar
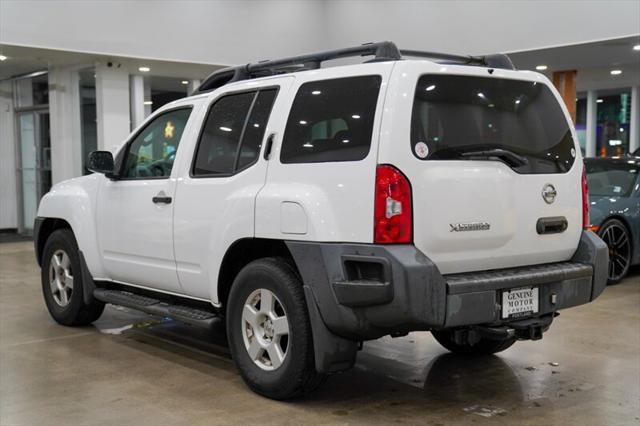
[[186, 314]]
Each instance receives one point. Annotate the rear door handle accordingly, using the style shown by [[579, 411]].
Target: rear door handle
[[267, 148], [161, 199], [552, 225]]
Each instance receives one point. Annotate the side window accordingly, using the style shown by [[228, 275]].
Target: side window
[[254, 132], [232, 133], [331, 120], [153, 151]]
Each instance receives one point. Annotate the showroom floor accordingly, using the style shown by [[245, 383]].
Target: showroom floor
[[131, 368]]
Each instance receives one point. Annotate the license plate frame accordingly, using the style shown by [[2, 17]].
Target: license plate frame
[[520, 302]]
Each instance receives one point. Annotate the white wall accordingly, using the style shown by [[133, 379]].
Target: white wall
[[229, 32], [8, 188], [214, 31], [481, 26]]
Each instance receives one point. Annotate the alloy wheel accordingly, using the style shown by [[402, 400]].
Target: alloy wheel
[[265, 329], [61, 278], [617, 240]]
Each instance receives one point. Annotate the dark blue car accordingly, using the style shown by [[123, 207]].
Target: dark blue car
[[614, 199]]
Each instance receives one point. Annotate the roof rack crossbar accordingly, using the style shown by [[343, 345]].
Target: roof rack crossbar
[[385, 50], [494, 61], [382, 51], [444, 56]]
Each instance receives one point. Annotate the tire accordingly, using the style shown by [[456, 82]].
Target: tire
[[616, 235], [62, 285], [283, 377], [483, 347]]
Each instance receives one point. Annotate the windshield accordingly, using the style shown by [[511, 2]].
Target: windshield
[[456, 116], [607, 179]]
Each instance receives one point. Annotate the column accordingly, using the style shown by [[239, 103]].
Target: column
[[147, 98], [565, 82], [64, 119], [112, 105], [592, 117], [634, 124], [137, 100], [192, 86], [8, 169]]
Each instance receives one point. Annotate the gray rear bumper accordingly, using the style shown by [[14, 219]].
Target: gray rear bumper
[[363, 292]]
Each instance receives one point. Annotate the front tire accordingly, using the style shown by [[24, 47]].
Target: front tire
[[269, 330], [62, 285], [615, 234], [483, 347]]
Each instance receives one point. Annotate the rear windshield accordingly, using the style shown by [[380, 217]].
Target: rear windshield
[[606, 179], [485, 118]]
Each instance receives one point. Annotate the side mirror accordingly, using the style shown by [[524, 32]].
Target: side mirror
[[101, 162]]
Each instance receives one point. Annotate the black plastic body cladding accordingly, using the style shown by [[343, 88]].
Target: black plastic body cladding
[[409, 293]]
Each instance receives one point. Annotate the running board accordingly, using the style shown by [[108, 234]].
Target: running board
[[186, 314]]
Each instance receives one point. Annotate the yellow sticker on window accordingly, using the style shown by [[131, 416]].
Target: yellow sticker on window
[[169, 130]]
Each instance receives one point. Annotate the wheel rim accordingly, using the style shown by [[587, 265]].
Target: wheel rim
[[61, 278], [265, 329], [617, 240]]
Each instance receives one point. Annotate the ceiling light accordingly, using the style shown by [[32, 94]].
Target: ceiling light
[[185, 82], [355, 116], [517, 101], [316, 92], [481, 95], [616, 72], [430, 88], [256, 125], [599, 101], [541, 67], [636, 47], [148, 102], [308, 145], [3, 58], [225, 129], [302, 122], [144, 69]]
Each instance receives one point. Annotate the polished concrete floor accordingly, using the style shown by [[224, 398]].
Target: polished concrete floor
[[133, 369]]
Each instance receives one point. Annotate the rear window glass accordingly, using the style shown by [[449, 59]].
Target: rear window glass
[[608, 179], [467, 118], [331, 120]]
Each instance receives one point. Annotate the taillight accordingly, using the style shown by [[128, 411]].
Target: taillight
[[585, 201], [392, 217]]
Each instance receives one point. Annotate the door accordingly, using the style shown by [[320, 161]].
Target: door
[[35, 163], [489, 159], [216, 193], [135, 212]]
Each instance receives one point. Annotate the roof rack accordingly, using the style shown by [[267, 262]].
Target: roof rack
[[381, 51]]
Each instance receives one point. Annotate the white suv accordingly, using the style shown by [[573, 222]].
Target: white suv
[[316, 208]]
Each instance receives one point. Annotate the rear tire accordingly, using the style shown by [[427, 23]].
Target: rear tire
[[483, 347], [269, 331], [616, 235], [62, 285]]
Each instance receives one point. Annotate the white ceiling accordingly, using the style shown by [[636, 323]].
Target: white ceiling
[[593, 61]]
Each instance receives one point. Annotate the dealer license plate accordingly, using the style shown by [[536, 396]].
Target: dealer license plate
[[519, 302]]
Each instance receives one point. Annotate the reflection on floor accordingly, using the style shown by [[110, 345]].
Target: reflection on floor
[[131, 368]]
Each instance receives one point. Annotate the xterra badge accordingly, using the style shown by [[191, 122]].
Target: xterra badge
[[473, 226]]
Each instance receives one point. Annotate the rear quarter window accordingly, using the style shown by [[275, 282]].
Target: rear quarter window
[[331, 120]]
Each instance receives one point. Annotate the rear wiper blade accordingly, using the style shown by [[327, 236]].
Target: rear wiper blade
[[511, 158]]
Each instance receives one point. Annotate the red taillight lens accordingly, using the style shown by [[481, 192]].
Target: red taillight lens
[[392, 217], [585, 201]]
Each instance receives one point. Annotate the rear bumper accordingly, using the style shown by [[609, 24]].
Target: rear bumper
[[363, 292]]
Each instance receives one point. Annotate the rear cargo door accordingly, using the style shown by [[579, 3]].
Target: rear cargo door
[[492, 162]]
